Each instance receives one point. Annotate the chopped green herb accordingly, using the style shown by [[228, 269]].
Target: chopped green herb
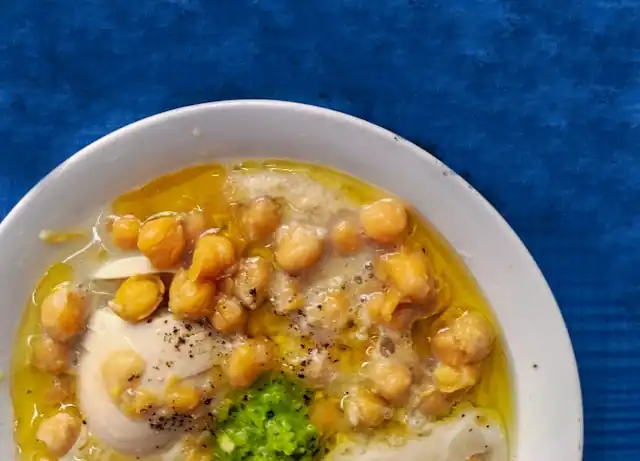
[[269, 422]]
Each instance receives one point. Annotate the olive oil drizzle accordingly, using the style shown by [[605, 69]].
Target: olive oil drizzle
[[34, 394]]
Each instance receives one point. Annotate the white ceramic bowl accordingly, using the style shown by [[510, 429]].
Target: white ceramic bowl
[[548, 420]]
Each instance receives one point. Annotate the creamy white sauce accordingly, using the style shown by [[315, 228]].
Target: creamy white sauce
[[455, 439], [157, 343]]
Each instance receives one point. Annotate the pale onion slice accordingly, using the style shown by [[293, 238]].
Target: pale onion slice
[[123, 268]]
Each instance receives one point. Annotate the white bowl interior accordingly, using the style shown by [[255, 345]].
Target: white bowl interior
[[547, 402]]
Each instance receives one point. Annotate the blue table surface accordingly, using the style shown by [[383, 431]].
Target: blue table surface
[[535, 102]]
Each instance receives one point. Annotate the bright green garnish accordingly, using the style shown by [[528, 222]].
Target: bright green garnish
[[269, 422]]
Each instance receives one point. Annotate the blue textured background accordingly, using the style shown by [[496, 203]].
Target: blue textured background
[[535, 102]]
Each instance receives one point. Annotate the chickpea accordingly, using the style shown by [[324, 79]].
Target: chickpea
[[62, 313], [365, 409], [162, 241], [381, 306], [403, 317], [327, 417], [261, 218], [449, 380], [388, 309], [384, 221], [213, 255], [335, 310], [408, 272], [252, 281], [59, 433], [469, 339], [299, 248], [248, 360], [62, 390], [181, 397], [194, 225], [190, 300], [226, 286], [214, 380], [390, 379], [138, 297], [138, 402], [122, 370], [196, 448], [374, 307], [49, 356], [345, 237], [230, 316], [194, 452], [285, 293], [435, 403], [124, 232]]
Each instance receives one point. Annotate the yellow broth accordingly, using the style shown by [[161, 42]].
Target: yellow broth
[[36, 395], [31, 390]]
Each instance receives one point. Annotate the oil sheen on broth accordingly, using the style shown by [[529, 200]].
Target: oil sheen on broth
[[214, 198]]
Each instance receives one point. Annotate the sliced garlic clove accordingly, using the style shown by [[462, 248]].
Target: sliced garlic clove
[[126, 267]]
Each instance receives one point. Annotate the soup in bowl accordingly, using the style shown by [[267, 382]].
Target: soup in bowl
[[236, 308]]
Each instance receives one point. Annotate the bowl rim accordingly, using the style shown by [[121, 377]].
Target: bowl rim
[[571, 378]]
